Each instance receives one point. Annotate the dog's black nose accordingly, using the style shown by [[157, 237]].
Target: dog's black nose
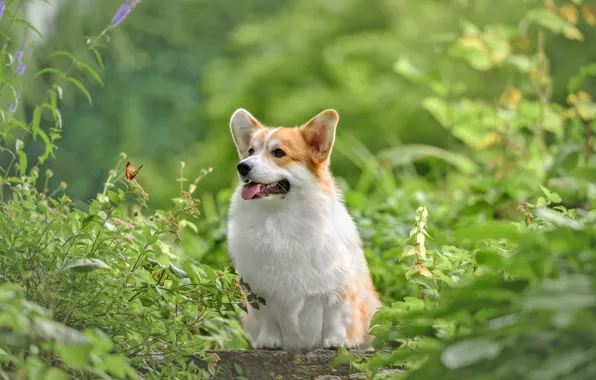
[[244, 168]]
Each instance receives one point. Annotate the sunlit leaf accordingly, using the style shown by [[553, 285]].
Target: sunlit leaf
[[407, 154], [406, 68], [84, 265], [470, 351], [423, 271], [474, 51], [490, 139], [76, 356], [55, 374], [491, 230], [569, 13], [547, 19], [572, 32], [586, 110], [558, 219], [117, 365], [54, 331], [438, 108], [177, 271], [413, 269], [589, 14]]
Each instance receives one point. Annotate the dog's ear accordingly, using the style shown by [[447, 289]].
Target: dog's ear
[[319, 133], [243, 125]]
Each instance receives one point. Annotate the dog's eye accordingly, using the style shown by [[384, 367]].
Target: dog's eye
[[278, 153], [251, 151]]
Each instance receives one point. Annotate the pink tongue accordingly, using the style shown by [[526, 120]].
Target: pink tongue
[[250, 190]]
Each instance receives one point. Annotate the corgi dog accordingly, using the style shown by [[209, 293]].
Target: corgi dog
[[292, 240]]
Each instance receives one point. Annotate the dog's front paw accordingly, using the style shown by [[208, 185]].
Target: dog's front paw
[[333, 342], [268, 342]]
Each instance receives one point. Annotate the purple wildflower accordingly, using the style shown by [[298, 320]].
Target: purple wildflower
[[21, 68], [2, 7], [123, 11]]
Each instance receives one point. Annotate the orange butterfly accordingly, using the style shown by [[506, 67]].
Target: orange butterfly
[[130, 174]]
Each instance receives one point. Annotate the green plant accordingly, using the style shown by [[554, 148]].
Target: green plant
[[108, 291], [506, 293]]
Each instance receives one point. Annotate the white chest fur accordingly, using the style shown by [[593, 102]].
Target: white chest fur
[[293, 248]]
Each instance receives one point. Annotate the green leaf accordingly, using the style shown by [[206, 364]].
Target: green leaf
[[77, 356], [101, 341], [80, 86], [177, 271], [29, 26], [88, 219], [563, 294], [211, 275], [558, 219], [84, 265], [547, 19], [575, 82], [572, 33], [117, 365], [36, 121], [98, 58], [49, 70], [152, 239], [91, 72], [491, 230], [73, 59], [545, 191], [407, 154], [55, 374], [490, 257], [470, 351], [439, 109], [404, 67], [114, 197], [555, 198], [163, 260], [473, 50], [22, 162], [49, 147], [565, 366]]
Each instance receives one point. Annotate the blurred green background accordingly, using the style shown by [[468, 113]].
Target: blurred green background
[[176, 71]]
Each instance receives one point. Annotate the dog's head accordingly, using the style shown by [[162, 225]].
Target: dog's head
[[276, 162]]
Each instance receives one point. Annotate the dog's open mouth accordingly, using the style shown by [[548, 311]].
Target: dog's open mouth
[[253, 190]]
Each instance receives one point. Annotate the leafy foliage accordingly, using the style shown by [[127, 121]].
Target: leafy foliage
[[106, 292], [474, 196], [504, 288]]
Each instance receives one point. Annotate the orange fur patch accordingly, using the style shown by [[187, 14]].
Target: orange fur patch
[[363, 297]]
